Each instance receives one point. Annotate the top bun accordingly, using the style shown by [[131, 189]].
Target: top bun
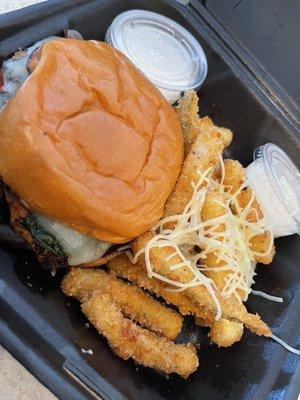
[[89, 141]]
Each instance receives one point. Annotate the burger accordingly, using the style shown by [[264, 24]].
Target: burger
[[90, 150]]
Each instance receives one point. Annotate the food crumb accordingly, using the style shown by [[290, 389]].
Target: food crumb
[[88, 351]]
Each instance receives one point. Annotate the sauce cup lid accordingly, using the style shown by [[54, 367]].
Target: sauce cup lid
[[161, 48]]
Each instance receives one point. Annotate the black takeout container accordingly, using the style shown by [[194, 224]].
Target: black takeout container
[[46, 331]]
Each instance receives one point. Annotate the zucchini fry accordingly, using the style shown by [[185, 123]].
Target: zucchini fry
[[128, 340], [204, 143], [234, 176], [224, 332], [163, 258], [263, 249], [137, 274], [204, 154], [192, 125], [215, 206], [81, 283]]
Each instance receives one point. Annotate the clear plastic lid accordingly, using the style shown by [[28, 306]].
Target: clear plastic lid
[[162, 49], [276, 182]]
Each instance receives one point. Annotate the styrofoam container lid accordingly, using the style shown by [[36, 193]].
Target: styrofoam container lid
[[162, 49], [276, 183]]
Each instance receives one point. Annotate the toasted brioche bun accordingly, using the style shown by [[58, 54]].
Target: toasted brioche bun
[[89, 141]]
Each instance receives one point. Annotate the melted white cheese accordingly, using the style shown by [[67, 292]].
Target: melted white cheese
[[78, 247], [15, 71]]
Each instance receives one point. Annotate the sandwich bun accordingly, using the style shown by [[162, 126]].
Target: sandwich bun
[[89, 141]]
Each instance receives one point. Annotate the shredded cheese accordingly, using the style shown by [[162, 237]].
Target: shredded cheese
[[267, 296], [231, 245], [289, 348]]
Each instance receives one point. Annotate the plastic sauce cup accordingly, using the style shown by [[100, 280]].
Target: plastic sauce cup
[[162, 49], [275, 180]]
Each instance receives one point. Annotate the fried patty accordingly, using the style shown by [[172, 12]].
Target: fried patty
[[19, 218]]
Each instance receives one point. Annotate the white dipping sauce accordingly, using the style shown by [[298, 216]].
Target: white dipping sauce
[[275, 180], [162, 49]]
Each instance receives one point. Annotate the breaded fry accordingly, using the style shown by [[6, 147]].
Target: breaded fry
[[225, 333], [225, 133], [255, 213], [259, 243], [204, 153], [234, 175], [162, 260], [131, 341], [187, 113], [136, 273], [213, 207], [134, 302], [192, 125], [204, 143]]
